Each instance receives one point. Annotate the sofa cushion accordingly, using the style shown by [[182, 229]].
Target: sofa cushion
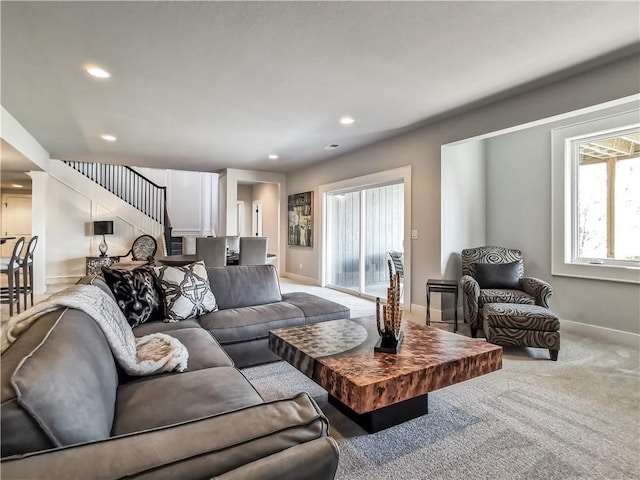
[[137, 293], [244, 285], [204, 351], [170, 399], [186, 291], [68, 382], [498, 275], [316, 309], [163, 327], [250, 323], [20, 432]]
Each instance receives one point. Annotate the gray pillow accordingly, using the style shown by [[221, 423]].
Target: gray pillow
[[498, 275], [186, 290]]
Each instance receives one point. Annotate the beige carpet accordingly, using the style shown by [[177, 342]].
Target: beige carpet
[[578, 418]]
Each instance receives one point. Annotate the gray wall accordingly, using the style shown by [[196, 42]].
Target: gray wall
[[463, 189], [421, 149], [519, 194]]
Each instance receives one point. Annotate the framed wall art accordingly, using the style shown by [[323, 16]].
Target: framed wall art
[[301, 219]]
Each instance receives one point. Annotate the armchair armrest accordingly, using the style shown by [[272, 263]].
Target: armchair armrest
[[315, 460], [539, 289], [470, 295], [196, 449]]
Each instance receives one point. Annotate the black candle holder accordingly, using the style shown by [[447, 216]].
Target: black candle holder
[[389, 343], [389, 321]]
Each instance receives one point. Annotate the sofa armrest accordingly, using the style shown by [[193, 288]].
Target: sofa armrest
[[539, 289], [470, 295], [196, 449], [315, 460]]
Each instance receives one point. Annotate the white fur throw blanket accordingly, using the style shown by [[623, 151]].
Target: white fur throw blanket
[[146, 355]]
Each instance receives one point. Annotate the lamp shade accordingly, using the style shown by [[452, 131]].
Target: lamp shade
[[103, 228]]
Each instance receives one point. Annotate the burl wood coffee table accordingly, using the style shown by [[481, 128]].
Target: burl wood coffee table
[[380, 390]]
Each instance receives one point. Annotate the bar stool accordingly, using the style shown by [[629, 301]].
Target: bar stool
[[26, 263], [11, 267]]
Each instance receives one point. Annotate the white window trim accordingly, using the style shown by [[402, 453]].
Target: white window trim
[[563, 200]]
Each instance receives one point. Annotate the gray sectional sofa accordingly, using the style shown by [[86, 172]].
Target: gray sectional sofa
[[69, 412]]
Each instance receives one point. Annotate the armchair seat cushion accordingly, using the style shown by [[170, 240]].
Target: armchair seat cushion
[[495, 295]]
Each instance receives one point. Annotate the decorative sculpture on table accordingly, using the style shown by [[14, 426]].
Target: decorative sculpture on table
[[390, 325]]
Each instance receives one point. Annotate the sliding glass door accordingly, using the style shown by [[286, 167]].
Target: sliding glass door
[[363, 224]]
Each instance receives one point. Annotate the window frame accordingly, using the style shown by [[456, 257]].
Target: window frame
[[564, 200], [572, 153]]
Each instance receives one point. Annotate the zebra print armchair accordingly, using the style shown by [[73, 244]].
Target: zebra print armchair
[[528, 290]]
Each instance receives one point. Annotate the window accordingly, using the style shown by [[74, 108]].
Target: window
[[606, 211], [595, 197]]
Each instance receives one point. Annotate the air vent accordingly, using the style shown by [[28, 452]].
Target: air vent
[[333, 146]]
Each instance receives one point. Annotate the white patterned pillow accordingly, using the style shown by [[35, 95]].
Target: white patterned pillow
[[187, 293]]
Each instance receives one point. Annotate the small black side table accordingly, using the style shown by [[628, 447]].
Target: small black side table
[[443, 286]]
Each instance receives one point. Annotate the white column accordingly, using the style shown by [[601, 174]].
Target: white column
[[39, 182]]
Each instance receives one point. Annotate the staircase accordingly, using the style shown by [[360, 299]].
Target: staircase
[[135, 189], [175, 247]]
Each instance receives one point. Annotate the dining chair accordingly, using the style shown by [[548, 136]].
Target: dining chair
[[11, 267], [142, 252], [212, 250], [233, 243], [253, 251], [26, 264]]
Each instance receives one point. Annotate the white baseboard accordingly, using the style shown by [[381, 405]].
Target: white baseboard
[[436, 313], [617, 337], [55, 284], [301, 278]]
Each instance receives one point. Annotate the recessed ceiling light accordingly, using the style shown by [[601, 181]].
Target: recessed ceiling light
[[273, 156], [108, 138], [15, 185], [97, 72], [346, 120]]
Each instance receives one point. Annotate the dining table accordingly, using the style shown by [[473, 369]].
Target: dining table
[[185, 259], [3, 240]]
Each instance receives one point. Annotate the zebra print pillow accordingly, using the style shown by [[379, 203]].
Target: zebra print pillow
[[137, 293]]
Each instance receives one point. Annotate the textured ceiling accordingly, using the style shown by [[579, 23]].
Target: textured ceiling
[[211, 85]]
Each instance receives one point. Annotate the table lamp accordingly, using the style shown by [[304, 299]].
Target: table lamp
[[103, 228]]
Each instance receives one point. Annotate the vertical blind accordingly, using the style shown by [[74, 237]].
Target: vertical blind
[[381, 210]]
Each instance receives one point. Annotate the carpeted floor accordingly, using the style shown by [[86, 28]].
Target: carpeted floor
[[578, 418]]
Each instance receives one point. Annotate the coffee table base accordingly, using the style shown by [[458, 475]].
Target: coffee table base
[[385, 417]]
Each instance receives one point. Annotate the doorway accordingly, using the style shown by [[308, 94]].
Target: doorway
[[16, 220], [363, 224]]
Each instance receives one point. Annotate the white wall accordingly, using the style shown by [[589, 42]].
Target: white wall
[[519, 216], [421, 149], [192, 199], [70, 202], [269, 195], [228, 182], [245, 194]]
